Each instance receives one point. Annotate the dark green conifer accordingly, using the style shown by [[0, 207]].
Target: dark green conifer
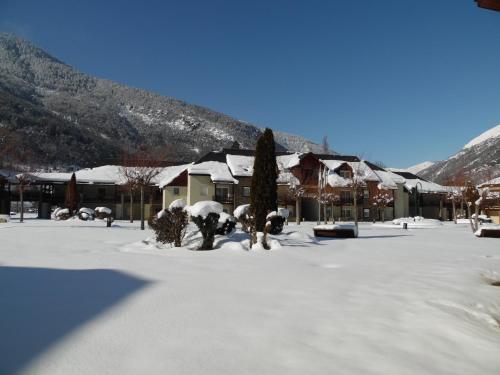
[[71, 195], [264, 190]]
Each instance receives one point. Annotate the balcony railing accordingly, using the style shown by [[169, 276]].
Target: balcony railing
[[224, 199]]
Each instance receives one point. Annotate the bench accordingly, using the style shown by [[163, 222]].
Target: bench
[[495, 233], [336, 231]]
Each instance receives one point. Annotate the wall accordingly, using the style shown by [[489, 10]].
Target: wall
[[401, 202], [169, 196], [195, 183]]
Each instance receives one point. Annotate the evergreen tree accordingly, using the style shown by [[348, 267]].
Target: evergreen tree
[[264, 190], [71, 195]]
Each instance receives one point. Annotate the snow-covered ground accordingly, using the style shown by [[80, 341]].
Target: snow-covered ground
[[79, 298]]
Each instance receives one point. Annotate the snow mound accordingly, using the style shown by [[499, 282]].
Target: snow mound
[[178, 203], [417, 222], [103, 210], [283, 212], [241, 210], [488, 134], [203, 208], [88, 211]]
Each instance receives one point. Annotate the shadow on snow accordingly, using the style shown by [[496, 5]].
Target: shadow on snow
[[39, 306]]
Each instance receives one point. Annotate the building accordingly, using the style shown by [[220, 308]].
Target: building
[[493, 207], [225, 176]]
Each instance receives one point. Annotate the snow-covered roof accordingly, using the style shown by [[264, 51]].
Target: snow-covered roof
[[288, 161], [240, 165], [424, 186], [171, 173], [106, 175], [335, 180], [495, 181], [10, 176], [218, 172], [362, 171], [388, 180], [332, 164]]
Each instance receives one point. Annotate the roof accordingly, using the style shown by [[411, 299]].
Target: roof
[[495, 181], [218, 171], [171, 173]]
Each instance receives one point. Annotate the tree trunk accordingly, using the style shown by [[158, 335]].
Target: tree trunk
[[470, 218], [355, 209], [454, 211], [297, 210], [131, 208], [21, 197], [142, 207], [383, 214], [333, 215], [476, 218], [324, 214]]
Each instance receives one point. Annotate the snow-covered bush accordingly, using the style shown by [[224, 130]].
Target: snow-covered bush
[[242, 215], [226, 224], [85, 214], [61, 214], [205, 215], [170, 225], [103, 213], [276, 220]]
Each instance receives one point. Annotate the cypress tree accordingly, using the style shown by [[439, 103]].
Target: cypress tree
[[71, 195], [264, 190]]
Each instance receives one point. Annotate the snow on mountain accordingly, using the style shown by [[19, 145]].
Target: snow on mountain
[[478, 160], [487, 135], [415, 169]]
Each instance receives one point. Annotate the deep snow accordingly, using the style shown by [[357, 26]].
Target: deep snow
[[80, 298]]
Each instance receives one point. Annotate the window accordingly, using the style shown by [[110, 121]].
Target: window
[[101, 193], [176, 191], [246, 191], [204, 190], [345, 196], [366, 193], [222, 192], [366, 213], [346, 212], [345, 173]]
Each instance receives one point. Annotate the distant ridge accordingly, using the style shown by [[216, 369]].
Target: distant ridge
[[65, 117]]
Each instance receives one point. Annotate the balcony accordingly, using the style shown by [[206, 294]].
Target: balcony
[[223, 198]]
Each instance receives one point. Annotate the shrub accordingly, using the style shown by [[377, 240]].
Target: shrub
[[103, 213], [275, 224], [205, 215], [61, 214], [226, 224], [86, 214], [170, 225], [208, 227], [241, 213]]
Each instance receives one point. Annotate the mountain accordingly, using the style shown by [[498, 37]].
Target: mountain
[[419, 167], [66, 117], [478, 160]]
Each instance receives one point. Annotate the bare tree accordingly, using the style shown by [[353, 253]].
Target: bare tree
[[296, 192], [23, 180], [454, 196], [486, 198], [355, 184], [325, 147], [139, 170], [381, 201]]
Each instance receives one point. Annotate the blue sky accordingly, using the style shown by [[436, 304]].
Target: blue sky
[[396, 81]]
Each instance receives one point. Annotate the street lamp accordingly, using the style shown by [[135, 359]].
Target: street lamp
[[416, 196]]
